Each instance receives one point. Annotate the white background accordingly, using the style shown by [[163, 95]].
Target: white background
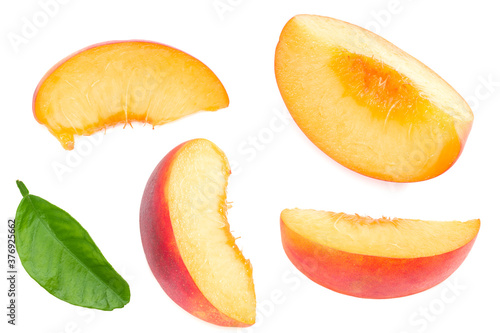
[[458, 39]]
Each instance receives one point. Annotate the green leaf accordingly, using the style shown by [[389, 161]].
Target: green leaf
[[59, 254]]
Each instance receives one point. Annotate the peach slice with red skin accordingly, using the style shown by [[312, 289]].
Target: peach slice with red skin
[[121, 82], [367, 104], [374, 258], [186, 237]]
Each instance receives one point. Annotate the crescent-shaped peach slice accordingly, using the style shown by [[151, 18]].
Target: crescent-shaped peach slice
[[121, 82], [186, 236], [374, 258]]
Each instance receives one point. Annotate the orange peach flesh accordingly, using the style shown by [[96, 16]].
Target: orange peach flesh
[[120, 83], [374, 258], [197, 203], [384, 237], [367, 104]]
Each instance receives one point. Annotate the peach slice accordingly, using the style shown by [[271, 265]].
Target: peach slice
[[121, 82], [374, 258], [367, 104], [186, 236]]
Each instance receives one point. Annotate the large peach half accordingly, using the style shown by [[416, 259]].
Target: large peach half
[[367, 104], [374, 258], [121, 82], [186, 236]]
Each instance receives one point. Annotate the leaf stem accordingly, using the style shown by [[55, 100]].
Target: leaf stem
[[22, 188]]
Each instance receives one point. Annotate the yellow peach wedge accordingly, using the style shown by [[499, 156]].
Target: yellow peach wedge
[[186, 236], [121, 82], [367, 104], [374, 258]]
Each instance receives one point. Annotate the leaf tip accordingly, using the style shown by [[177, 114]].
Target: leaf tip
[[22, 188]]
